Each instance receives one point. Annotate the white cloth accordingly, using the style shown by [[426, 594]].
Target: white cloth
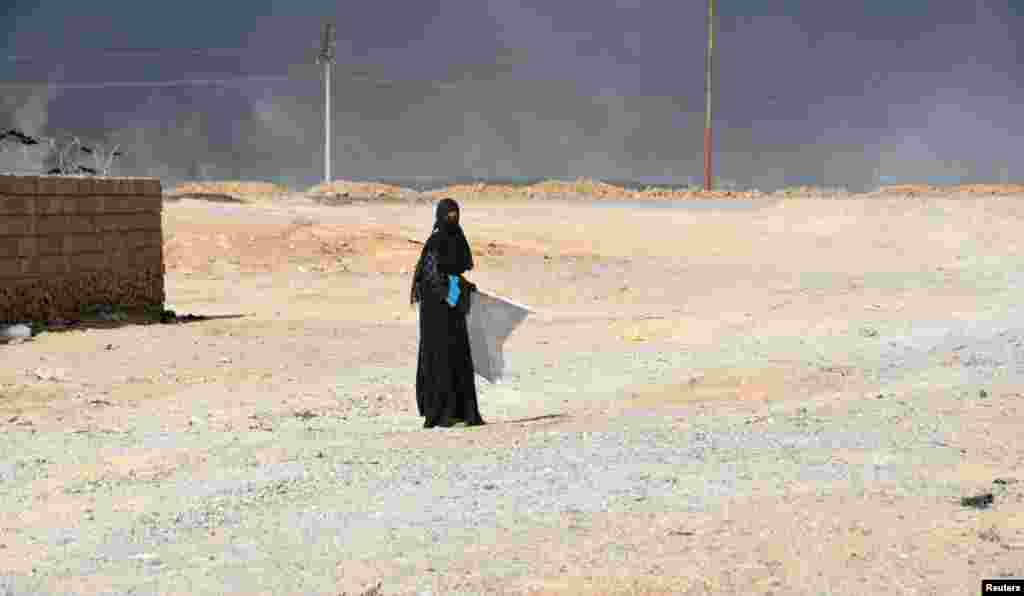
[[491, 320]]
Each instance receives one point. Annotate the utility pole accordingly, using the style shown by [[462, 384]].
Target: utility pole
[[707, 90], [326, 58]]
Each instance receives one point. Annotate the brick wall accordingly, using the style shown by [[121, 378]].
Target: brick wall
[[73, 242]]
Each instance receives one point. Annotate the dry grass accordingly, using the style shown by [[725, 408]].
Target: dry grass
[[589, 188], [977, 190], [812, 192], [581, 188]]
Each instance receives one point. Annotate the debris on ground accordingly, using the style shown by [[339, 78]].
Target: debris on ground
[[105, 312], [990, 535], [982, 501], [169, 316], [46, 374], [16, 332]]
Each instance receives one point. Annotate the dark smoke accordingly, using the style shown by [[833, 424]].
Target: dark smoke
[[808, 92]]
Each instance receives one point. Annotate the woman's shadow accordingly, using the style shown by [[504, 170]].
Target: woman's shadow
[[534, 418], [462, 423]]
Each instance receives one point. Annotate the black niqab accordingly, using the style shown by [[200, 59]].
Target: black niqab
[[445, 382], [449, 245]]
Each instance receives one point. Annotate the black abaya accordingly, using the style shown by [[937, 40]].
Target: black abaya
[[445, 383]]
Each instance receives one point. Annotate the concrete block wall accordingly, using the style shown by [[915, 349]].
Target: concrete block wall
[[71, 242]]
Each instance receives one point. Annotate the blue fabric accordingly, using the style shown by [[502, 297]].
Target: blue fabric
[[453, 290]]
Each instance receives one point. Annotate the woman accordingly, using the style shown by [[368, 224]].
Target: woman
[[445, 385]]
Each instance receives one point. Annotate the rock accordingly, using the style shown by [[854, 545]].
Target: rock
[[990, 535], [680, 533], [982, 501], [150, 559], [44, 374]]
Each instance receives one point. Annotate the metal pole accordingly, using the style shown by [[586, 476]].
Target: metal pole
[[326, 57], [707, 89], [327, 122]]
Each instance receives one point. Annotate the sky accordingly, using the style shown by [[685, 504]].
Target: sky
[[822, 92]]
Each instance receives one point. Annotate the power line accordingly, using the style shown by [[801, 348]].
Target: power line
[[26, 85], [354, 76], [135, 52]]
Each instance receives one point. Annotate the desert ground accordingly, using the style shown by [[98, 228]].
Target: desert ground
[[770, 395]]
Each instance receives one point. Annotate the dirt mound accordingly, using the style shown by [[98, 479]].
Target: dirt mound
[[480, 190], [973, 190], [226, 191], [991, 189], [908, 189], [581, 188], [672, 193], [360, 190], [341, 192], [814, 192]]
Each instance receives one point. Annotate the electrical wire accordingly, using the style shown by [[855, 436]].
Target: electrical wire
[[358, 74], [167, 83]]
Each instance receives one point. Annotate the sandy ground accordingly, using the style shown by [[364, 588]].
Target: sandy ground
[[877, 336]]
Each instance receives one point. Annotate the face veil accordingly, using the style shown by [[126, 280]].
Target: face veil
[[447, 247]]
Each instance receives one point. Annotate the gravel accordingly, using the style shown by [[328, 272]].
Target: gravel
[[321, 500], [217, 527]]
